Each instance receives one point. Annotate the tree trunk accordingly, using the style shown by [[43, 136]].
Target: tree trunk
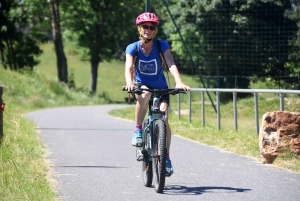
[[4, 63], [95, 59], [95, 55], [11, 55], [94, 77], [62, 68]]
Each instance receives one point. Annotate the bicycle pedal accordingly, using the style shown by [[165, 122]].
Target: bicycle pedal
[[139, 154], [140, 158], [139, 143]]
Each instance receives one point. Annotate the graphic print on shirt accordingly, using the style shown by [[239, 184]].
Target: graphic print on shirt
[[148, 67]]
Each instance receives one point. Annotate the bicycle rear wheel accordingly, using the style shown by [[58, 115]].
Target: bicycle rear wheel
[[160, 151], [147, 164]]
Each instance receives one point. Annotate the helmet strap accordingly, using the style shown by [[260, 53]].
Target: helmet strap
[[145, 40]]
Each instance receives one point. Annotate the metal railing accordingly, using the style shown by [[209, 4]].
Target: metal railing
[[234, 92]]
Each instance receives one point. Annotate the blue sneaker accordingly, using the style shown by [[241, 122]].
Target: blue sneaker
[[169, 168], [137, 138]]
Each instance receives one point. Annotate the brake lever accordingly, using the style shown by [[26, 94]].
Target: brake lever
[[138, 91], [178, 90], [134, 91]]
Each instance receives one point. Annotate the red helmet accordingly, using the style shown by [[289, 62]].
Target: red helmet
[[147, 17]]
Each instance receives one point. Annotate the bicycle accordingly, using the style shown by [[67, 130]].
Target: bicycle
[[153, 149]]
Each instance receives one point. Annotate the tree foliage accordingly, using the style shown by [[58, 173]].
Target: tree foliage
[[20, 34], [101, 28], [224, 39], [247, 38]]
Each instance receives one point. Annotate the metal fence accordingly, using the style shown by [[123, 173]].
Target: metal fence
[[229, 43], [234, 92]]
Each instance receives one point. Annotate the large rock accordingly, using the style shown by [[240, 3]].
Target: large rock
[[279, 131]]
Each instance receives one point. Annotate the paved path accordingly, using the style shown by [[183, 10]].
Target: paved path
[[93, 159]]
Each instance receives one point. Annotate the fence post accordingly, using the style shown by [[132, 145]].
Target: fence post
[[235, 111], [203, 108], [1, 113], [256, 112], [178, 105], [190, 106], [218, 110], [281, 96], [147, 3]]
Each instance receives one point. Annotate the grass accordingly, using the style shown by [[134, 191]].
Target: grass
[[23, 165], [24, 173]]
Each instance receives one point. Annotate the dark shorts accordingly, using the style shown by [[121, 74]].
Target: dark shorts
[[164, 98]]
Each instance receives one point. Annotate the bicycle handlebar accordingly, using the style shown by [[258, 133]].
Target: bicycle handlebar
[[172, 91]]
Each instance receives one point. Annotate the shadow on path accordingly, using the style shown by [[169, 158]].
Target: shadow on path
[[84, 129], [176, 190], [85, 166]]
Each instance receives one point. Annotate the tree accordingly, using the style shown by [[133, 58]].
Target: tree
[[19, 39], [62, 67], [294, 58], [101, 28]]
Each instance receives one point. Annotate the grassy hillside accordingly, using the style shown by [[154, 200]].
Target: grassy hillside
[[24, 169]]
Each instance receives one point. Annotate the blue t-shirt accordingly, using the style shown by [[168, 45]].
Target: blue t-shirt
[[149, 70]]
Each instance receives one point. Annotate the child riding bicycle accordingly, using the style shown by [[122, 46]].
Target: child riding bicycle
[[147, 71]]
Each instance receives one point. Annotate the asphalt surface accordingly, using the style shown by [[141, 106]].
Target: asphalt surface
[[92, 159]]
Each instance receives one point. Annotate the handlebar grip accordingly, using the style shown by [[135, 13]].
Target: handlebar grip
[[180, 89], [134, 91]]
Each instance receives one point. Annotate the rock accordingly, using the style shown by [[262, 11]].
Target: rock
[[279, 131]]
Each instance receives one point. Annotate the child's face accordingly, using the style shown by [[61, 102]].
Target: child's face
[[148, 30]]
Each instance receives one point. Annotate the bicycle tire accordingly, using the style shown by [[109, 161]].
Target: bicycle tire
[[160, 151], [146, 164]]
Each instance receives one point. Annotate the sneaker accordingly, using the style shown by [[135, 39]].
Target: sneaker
[[169, 168], [137, 138]]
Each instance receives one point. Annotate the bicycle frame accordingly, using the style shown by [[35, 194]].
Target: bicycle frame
[[154, 113]]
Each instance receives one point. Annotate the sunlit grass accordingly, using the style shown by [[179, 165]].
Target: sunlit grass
[[23, 174]]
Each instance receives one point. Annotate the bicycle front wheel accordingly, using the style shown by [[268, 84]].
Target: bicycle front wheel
[[159, 160], [147, 164]]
